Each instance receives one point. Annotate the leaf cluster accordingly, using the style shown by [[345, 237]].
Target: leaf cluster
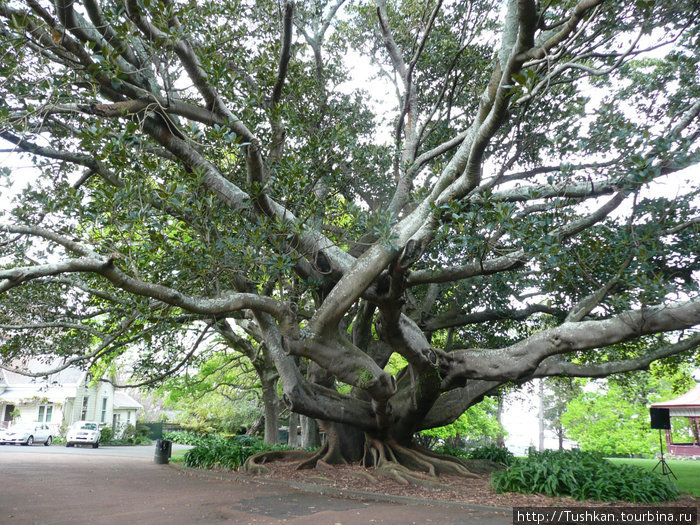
[[582, 475]]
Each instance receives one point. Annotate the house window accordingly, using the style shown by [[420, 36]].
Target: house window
[[103, 417], [83, 412], [45, 412]]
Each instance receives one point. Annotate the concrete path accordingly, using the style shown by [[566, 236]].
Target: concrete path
[[48, 486]]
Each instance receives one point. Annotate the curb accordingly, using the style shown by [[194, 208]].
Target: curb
[[337, 492]]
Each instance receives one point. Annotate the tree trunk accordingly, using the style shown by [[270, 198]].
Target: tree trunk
[[309, 432], [271, 407], [540, 416], [560, 434], [500, 438], [293, 438], [345, 443]]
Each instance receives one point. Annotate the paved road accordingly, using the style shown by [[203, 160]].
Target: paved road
[[113, 485], [141, 451]]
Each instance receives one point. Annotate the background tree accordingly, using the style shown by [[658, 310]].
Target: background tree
[[223, 395], [211, 163], [559, 392], [478, 426], [614, 418]]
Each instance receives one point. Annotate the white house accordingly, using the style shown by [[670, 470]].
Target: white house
[[62, 398]]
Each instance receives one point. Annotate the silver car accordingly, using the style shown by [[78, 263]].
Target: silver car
[[26, 434], [83, 433]]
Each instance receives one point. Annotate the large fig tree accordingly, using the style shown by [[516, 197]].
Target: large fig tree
[[528, 208]]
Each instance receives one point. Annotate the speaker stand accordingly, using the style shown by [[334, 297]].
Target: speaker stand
[[665, 469]]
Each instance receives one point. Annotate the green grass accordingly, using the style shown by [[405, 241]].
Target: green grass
[[178, 456], [687, 471]]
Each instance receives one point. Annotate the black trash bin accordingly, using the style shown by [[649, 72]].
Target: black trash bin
[[163, 451]]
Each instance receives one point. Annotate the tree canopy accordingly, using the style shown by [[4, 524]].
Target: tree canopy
[[216, 167]]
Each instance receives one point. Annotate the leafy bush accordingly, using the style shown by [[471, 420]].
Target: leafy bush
[[493, 453], [451, 451], [490, 452], [186, 437], [582, 475], [226, 453], [134, 435], [106, 434]]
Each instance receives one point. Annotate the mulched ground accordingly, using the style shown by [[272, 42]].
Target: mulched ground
[[454, 488]]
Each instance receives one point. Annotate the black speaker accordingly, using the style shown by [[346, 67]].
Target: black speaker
[[660, 418]]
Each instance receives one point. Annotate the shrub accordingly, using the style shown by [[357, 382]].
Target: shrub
[[490, 452], [582, 475], [226, 453], [106, 434], [493, 453], [185, 437], [134, 435], [451, 451]]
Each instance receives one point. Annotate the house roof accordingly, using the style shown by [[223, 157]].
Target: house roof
[[124, 401], [686, 405], [51, 394], [66, 377], [16, 388]]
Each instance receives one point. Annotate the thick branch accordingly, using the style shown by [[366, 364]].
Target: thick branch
[[284, 52], [456, 319], [523, 358], [557, 367]]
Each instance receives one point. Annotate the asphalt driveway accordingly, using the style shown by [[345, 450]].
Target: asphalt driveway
[[109, 485]]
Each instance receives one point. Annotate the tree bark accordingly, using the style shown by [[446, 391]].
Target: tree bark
[[540, 416], [271, 407], [309, 432], [500, 438], [293, 438]]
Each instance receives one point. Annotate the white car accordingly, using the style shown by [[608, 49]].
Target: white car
[[83, 433], [26, 433]]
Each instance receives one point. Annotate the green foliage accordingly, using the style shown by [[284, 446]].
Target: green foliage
[[687, 471], [614, 420], [559, 391], [221, 396], [490, 452], [106, 434], [218, 452], [134, 435], [452, 451], [478, 425], [493, 453], [186, 437], [582, 475]]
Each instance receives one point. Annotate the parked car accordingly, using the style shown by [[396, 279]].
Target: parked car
[[83, 433], [26, 433]]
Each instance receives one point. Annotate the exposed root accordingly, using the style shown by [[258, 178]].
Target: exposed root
[[405, 476], [326, 456], [405, 464], [406, 461], [254, 464], [311, 461], [473, 466], [366, 476]]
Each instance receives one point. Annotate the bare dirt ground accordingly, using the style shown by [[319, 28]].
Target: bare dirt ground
[[474, 491]]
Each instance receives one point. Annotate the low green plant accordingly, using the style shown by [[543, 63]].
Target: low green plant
[[185, 437], [106, 434], [582, 475], [132, 435], [451, 451], [230, 454], [490, 452]]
